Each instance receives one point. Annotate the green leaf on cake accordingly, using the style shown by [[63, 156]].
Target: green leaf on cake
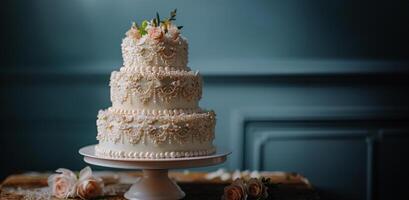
[[154, 22], [157, 18], [144, 24], [142, 28], [172, 15], [165, 23]]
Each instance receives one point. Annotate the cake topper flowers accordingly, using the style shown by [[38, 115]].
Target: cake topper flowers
[[156, 28]]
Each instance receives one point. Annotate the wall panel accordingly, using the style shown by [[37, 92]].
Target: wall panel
[[339, 112]]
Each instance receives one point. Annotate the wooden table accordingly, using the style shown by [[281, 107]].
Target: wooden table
[[290, 186]]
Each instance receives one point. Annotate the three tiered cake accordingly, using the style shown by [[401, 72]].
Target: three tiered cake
[[155, 112]]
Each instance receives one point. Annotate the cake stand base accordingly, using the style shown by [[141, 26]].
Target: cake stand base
[[155, 183]]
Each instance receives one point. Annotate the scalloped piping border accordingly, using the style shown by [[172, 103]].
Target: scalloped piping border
[[106, 153], [195, 115], [167, 112], [154, 71]]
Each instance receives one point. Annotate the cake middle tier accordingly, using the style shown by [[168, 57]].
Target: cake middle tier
[[160, 90]]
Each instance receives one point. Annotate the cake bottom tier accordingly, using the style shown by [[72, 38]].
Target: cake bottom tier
[[124, 135]]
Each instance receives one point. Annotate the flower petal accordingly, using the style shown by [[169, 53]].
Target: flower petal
[[85, 173], [51, 179], [66, 172]]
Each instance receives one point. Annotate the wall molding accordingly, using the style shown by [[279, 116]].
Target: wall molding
[[314, 115], [239, 118], [234, 72], [294, 135], [228, 68], [367, 136]]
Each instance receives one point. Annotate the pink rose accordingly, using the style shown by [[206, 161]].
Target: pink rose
[[256, 189], [63, 184], [66, 184], [155, 33], [235, 191], [89, 186], [133, 33]]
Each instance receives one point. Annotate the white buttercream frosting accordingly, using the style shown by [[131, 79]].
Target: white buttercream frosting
[[146, 52], [155, 112], [160, 90]]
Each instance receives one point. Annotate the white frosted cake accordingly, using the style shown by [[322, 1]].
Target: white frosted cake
[[155, 112]]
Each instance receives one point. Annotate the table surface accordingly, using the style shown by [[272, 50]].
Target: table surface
[[196, 185]]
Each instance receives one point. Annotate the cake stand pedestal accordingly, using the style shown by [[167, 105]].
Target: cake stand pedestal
[[155, 183]]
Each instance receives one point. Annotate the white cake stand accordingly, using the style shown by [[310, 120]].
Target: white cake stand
[[155, 183]]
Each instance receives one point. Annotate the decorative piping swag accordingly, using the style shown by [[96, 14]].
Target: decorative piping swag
[[147, 52], [159, 130], [155, 86]]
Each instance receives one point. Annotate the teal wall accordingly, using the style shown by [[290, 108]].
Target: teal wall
[[314, 87], [48, 33]]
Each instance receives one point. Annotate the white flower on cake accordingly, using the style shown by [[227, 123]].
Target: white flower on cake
[[174, 32]]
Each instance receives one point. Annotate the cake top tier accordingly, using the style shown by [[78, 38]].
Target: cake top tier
[[155, 43]]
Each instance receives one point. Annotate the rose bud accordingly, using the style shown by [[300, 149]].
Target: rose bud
[[155, 33], [63, 185], [90, 188], [235, 191], [256, 189]]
